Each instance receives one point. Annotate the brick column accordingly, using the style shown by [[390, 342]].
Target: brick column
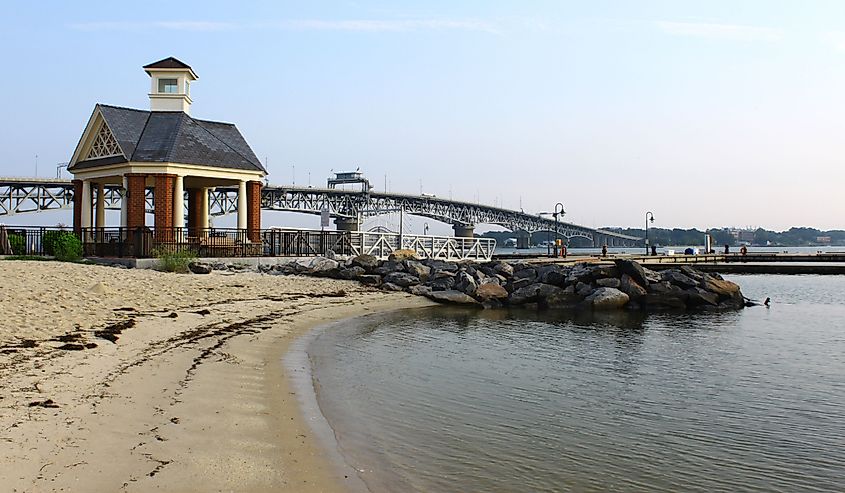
[[77, 205], [163, 206], [194, 204], [136, 207], [253, 210]]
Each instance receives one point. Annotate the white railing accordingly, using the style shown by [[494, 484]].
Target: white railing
[[437, 247]]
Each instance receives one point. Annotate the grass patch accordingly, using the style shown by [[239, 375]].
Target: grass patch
[[170, 261], [29, 257]]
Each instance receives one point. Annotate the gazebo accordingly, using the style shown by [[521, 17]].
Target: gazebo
[[169, 151]]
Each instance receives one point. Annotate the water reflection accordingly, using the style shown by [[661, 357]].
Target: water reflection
[[452, 399]]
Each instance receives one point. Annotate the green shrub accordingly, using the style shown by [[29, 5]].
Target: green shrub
[[48, 240], [66, 246], [170, 261], [18, 244]]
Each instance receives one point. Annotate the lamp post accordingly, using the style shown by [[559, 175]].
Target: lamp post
[[425, 229], [558, 212], [647, 214]]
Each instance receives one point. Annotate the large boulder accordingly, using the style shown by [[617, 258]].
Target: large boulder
[[601, 270], [200, 267], [552, 274], [401, 279], [318, 267], [388, 267], [465, 283], [528, 274], [725, 289], [490, 291], [664, 287], [630, 287], [354, 272], [582, 273], [438, 265], [678, 278], [606, 299], [420, 290], [418, 269], [537, 292], [583, 289], [688, 271], [514, 283], [490, 280], [608, 282], [452, 296], [697, 297], [442, 283], [370, 280], [633, 269], [403, 254], [367, 262], [503, 268]]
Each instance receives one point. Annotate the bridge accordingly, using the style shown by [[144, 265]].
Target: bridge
[[348, 207]]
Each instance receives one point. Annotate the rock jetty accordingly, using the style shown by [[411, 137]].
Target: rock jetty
[[625, 284]]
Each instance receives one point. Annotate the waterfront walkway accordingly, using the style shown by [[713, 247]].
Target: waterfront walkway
[[752, 263]]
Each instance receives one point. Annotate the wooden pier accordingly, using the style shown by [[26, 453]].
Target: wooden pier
[[751, 263]]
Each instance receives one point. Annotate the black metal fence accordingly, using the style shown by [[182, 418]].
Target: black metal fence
[[214, 242]]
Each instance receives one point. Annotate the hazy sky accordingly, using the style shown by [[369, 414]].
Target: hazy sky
[[706, 113]]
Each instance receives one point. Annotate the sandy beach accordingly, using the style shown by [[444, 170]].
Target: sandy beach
[[134, 380]]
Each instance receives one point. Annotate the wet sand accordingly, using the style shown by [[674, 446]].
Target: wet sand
[[132, 380]]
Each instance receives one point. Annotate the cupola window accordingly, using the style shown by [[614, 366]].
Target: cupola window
[[168, 86]]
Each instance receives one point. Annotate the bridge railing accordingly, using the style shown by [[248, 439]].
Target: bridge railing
[[436, 247]]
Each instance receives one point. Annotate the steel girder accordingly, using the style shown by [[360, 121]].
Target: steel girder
[[17, 197]]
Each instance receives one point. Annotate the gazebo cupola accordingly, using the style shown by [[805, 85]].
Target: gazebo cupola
[[170, 82], [165, 151]]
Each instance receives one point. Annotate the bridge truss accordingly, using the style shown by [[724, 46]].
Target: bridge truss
[[19, 196]]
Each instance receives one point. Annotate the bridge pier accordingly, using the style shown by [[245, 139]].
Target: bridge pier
[[464, 230], [347, 224], [523, 239]]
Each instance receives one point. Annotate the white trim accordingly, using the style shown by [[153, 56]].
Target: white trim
[[92, 129], [170, 95], [242, 205], [178, 202], [180, 169]]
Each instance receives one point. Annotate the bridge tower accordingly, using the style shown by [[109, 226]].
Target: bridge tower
[[464, 230], [347, 224]]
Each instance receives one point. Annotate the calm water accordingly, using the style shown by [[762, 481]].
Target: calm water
[[443, 400]]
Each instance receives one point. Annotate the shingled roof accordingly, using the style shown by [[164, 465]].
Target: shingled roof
[[173, 137], [168, 62]]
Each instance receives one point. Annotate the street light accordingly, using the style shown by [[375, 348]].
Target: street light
[[425, 229], [558, 212], [649, 213]]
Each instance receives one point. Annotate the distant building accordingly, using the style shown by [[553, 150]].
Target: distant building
[[743, 235], [824, 240]]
